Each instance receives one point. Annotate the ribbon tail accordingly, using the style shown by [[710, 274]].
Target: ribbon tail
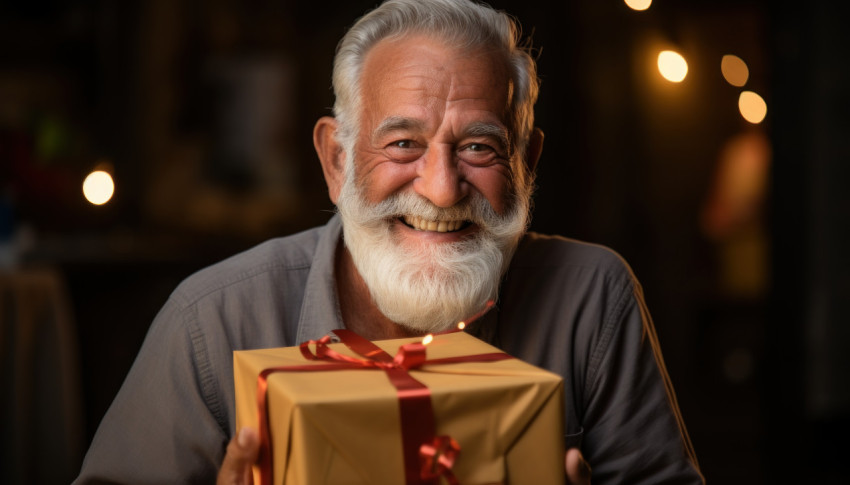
[[265, 457], [417, 421]]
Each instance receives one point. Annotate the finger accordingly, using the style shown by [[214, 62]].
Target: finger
[[578, 470], [241, 454]]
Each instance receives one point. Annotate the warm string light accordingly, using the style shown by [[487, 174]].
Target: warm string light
[[672, 66], [639, 5], [98, 187], [752, 107], [734, 70], [462, 324], [750, 104], [487, 307]]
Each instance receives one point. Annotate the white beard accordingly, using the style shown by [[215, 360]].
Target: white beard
[[430, 287]]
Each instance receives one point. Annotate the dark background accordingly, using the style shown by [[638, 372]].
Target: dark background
[[203, 112]]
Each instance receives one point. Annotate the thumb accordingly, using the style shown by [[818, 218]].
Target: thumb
[[241, 454], [578, 470]]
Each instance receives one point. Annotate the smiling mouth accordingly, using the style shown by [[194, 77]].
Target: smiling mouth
[[421, 224]]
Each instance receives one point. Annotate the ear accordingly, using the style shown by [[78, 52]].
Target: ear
[[534, 149], [330, 155]]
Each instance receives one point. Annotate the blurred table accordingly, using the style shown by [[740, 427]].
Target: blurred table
[[40, 401]]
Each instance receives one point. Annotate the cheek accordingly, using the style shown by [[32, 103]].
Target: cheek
[[385, 179], [493, 184]]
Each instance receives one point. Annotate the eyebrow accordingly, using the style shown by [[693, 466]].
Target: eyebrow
[[396, 123], [480, 128]]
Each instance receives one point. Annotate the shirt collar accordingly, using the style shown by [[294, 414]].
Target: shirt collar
[[320, 312]]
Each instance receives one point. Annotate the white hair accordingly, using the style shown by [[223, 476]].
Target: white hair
[[460, 23]]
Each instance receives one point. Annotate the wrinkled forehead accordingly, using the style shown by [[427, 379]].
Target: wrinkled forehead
[[423, 69]]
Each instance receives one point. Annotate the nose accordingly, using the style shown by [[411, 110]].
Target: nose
[[438, 178]]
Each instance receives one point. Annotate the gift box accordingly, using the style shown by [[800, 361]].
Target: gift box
[[333, 416]]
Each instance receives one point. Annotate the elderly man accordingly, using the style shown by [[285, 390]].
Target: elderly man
[[429, 159]]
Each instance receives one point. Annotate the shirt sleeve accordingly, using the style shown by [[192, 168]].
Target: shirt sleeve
[[164, 422], [633, 431]]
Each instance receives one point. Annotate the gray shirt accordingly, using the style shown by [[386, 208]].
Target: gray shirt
[[570, 307]]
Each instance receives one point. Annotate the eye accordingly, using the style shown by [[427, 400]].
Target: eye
[[403, 145], [479, 154], [477, 151], [404, 150], [478, 147]]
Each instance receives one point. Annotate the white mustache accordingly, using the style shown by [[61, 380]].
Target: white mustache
[[474, 209]]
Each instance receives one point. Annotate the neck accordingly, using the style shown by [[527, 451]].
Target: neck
[[359, 312]]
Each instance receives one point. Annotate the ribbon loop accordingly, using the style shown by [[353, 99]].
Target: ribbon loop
[[438, 457], [323, 352], [410, 356], [321, 348]]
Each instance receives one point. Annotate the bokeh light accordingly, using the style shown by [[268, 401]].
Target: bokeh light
[[638, 5], [98, 187], [734, 70], [672, 66], [752, 107]]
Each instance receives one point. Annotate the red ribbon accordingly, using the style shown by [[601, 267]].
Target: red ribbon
[[426, 457], [438, 458]]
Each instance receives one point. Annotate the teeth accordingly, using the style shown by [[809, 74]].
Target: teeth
[[436, 226]]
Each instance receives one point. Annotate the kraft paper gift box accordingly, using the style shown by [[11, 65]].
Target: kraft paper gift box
[[344, 426]]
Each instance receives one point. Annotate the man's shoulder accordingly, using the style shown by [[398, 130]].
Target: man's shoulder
[[558, 251], [267, 260]]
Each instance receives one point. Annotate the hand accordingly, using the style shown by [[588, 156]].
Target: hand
[[578, 471], [242, 452]]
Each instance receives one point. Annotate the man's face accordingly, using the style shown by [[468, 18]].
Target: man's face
[[434, 122], [430, 212]]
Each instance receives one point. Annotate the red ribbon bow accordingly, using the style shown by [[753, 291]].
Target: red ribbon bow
[[438, 458], [409, 356], [426, 457]]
